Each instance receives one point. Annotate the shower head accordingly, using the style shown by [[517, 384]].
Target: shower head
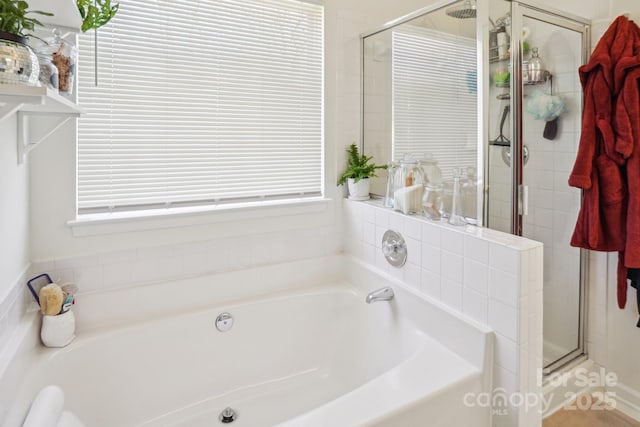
[[463, 11]]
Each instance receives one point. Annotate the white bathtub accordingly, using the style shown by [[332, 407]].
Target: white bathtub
[[305, 350]]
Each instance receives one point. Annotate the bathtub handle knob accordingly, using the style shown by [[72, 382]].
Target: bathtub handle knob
[[390, 249], [394, 248]]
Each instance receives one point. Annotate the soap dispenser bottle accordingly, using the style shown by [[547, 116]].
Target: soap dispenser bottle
[[536, 70]]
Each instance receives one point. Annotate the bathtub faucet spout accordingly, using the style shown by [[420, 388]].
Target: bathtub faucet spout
[[383, 294]]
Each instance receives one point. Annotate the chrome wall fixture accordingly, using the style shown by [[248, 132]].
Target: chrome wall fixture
[[394, 248], [383, 294]]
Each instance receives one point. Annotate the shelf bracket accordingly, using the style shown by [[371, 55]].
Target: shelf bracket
[[8, 109], [15, 103], [25, 145]]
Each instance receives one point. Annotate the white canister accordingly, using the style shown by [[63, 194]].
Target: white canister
[[58, 331]]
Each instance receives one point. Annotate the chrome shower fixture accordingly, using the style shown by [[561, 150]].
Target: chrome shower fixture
[[463, 11]]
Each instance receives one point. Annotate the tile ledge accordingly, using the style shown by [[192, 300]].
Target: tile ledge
[[493, 236]]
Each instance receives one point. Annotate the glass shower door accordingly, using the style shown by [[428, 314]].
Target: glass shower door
[[554, 91], [549, 111], [529, 158]]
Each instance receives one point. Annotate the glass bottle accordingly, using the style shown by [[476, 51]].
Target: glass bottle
[[432, 172], [408, 186], [470, 196], [48, 71], [536, 70], [392, 168], [64, 55], [447, 197], [456, 217], [432, 201], [409, 173]]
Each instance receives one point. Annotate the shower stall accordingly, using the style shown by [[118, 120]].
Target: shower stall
[[526, 182], [492, 85]]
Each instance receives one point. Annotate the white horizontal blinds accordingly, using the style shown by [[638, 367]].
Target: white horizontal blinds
[[201, 102], [434, 97]]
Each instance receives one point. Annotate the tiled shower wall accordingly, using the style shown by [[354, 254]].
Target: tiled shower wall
[[492, 277]]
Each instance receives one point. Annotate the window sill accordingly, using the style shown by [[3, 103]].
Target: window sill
[[122, 222]]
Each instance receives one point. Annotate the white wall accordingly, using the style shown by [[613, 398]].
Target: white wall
[[14, 227], [590, 9], [14, 200]]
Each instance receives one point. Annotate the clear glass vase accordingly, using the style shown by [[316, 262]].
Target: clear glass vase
[[64, 55], [456, 217], [470, 196]]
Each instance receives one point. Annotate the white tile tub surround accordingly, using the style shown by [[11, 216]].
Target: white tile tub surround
[[143, 266], [13, 304], [493, 277]]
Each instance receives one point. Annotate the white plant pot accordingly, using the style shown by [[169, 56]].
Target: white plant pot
[[358, 190]]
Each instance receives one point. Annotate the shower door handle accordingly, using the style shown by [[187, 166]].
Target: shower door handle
[[523, 200]]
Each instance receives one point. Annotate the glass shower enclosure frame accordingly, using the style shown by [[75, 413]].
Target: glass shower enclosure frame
[[521, 11]]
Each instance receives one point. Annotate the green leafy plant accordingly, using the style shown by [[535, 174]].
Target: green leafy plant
[[96, 13], [358, 166], [14, 19]]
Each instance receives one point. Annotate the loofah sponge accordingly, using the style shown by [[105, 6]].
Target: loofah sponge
[[51, 299], [545, 107]]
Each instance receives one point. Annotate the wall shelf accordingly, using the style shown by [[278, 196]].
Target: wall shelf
[[35, 104], [66, 16], [33, 99], [41, 109]]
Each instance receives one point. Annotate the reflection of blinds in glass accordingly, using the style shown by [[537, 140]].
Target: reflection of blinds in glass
[[434, 97]]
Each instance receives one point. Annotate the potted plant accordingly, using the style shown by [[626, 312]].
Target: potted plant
[[18, 63], [357, 174], [96, 13]]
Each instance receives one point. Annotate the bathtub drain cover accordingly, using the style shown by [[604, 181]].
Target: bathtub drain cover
[[227, 416], [224, 322]]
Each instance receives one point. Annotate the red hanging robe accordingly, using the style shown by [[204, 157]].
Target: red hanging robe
[[604, 221]]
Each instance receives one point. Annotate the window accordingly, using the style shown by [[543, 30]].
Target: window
[[428, 94], [201, 102]]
